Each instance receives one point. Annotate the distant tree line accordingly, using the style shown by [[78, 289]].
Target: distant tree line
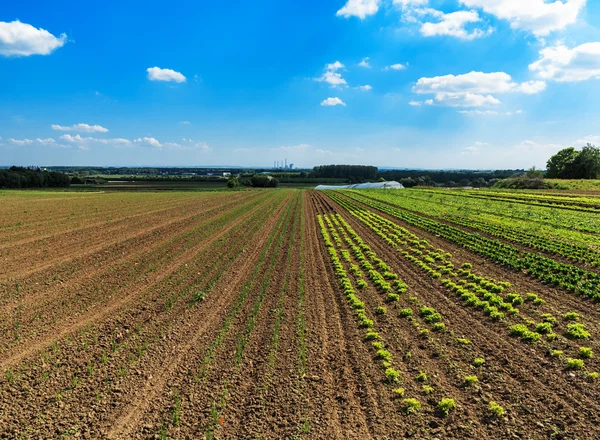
[[572, 164], [356, 173], [33, 177]]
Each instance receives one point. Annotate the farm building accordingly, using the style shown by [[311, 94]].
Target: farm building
[[376, 185]]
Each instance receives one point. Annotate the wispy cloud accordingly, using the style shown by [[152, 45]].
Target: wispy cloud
[[82, 128]]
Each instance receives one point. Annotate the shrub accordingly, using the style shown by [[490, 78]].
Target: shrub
[[411, 405], [496, 410], [467, 266], [446, 405], [556, 353], [381, 310], [463, 341]]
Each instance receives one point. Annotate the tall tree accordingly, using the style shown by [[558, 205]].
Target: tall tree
[[561, 165], [587, 163]]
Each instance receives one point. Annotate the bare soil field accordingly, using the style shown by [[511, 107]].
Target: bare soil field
[[283, 314]]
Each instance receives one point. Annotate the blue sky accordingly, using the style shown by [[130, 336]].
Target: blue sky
[[404, 83]]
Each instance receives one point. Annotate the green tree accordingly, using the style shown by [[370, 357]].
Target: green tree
[[587, 163], [233, 182], [534, 173], [560, 166]]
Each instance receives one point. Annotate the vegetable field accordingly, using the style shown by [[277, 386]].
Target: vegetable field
[[299, 314]]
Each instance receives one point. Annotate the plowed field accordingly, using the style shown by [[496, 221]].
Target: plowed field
[[295, 315]]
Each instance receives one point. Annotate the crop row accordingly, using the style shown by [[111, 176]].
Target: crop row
[[520, 234], [548, 271], [538, 217], [473, 290]]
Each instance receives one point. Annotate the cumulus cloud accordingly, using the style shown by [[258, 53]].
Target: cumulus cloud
[[148, 141], [334, 66], [538, 16], [454, 25], [359, 8], [332, 76], [168, 75], [415, 103], [22, 39], [82, 128], [365, 63], [559, 63], [332, 102], [474, 89], [365, 88]]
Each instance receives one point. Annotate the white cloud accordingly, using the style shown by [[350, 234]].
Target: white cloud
[[148, 141], [359, 8], [365, 63], [396, 67], [331, 102], [158, 74], [334, 66], [472, 89], [185, 123], [538, 16], [405, 3], [531, 87], [294, 148], [463, 99], [562, 64], [324, 152], [20, 141], [487, 113], [83, 128], [331, 76], [415, 103], [47, 141], [38, 141], [21, 39], [85, 141], [453, 24], [365, 88], [594, 140]]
